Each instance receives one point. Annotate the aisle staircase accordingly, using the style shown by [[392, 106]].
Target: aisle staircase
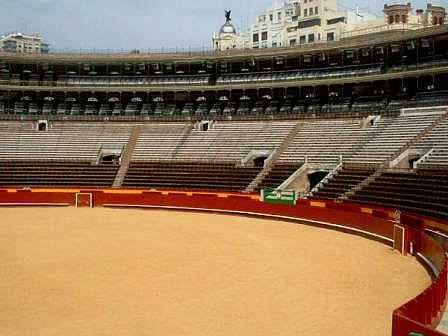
[[390, 163], [127, 156], [272, 159]]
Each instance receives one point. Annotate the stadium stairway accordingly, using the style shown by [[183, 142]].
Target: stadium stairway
[[271, 161], [127, 156], [355, 176], [417, 138]]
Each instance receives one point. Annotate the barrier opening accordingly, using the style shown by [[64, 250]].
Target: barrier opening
[[84, 200]]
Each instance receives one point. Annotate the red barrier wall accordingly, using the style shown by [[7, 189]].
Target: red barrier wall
[[419, 315]]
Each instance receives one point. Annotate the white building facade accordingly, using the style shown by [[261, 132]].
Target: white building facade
[[296, 22], [23, 43]]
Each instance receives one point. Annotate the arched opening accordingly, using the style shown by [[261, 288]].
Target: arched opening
[[259, 161], [42, 125]]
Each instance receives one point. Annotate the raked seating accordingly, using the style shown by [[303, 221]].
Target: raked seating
[[437, 140], [189, 175], [323, 142], [423, 192], [232, 141], [278, 174], [62, 141], [390, 136], [159, 141], [56, 173], [342, 182]]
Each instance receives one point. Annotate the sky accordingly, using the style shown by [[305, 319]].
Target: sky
[[140, 24]]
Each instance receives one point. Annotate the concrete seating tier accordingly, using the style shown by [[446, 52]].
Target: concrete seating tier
[[323, 142], [342, 182], [56, 173], [278, 174], [159, 141], [389, 136], [437, 140], [62, 141], [422, 192], [189, 175], [232, 141]]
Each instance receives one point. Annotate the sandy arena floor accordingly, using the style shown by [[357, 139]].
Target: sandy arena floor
[[67, 271]]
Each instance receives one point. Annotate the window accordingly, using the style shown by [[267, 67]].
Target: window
[[330, 36], [279, 16], [271, 17], [404, 19], [305, 12], [274, 44], [311, 11], [302, 39], [391, 19], [255, 37], [397, 18], [264, 36], [316, 10], [310, 38], [292, 43]]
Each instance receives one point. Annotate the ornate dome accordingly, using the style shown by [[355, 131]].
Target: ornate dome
[[227, 28]]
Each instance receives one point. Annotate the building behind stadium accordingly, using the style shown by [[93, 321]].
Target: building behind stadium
[[23, 43], [293, 23]]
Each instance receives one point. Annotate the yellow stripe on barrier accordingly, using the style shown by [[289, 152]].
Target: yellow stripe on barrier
[[435, 224], [177, 193], [367, 211], [56, 190], [223, 195], [318, 204], [391, 215], [255, 197], [135, 192], [11, 190]]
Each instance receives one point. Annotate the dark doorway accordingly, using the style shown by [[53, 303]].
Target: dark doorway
[[259, 161], [110, 160], [42, 126], [316, 177]]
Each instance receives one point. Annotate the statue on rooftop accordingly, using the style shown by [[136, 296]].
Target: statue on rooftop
[[228, 12]]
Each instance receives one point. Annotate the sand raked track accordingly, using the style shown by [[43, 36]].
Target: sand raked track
[[67, 271]]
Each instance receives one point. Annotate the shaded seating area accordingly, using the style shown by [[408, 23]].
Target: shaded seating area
[[189, 175], [342, 182], [424, 192], [278, 174], [56, 173]]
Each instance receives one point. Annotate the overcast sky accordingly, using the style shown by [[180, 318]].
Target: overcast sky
[[141, 24]]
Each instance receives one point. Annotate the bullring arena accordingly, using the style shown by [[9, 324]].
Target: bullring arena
[[281, 191], [71, 271], [214, 263]]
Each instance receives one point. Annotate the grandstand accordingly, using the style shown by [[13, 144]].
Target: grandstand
[[362, 121]]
